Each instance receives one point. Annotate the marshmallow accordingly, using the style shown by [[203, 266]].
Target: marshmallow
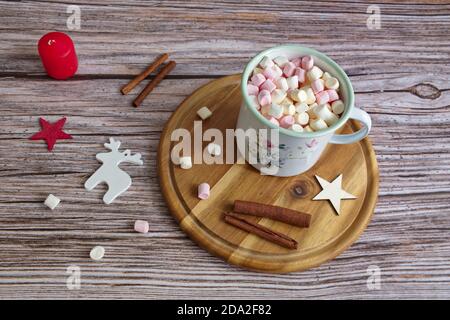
[[266, 62], [204, 113], [326, 76], [322, 97], [97, 253], [299, 95], [308, 129], [311, 97], [278, 95], [317, 85], [252, 89], [325, 114], [289, 69], [318, 124], [52, 201], [203, 191], [257, 71], [301, 107], [337, 106], [300, 73], [264, 97], [288, 109], [268, 85], [287, 121], [286, 102], [307, 62], [265, 110], [275, 111], [214, 149], [333, 95], [281, 61], [273, 120], [278, 71], [185, 162], [292, 82], [141, 226], [314, 74], [282, 84], [296, 127], [271, 72], [297, 62], [331, 83], [258, 79], [302, 118], [254, 102]]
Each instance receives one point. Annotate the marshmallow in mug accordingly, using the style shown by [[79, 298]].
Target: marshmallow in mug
[[295, 94]]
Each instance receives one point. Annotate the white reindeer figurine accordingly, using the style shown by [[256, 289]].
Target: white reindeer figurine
[[118, 181]]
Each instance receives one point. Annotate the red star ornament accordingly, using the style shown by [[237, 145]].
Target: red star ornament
[[51, 132]]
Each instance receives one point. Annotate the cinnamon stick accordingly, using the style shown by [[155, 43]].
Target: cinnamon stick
[[289, 216], [261, 231], [133, 83], [164, 71]]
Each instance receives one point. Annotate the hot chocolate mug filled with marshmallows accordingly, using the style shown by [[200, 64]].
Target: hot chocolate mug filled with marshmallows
[[305, 97]]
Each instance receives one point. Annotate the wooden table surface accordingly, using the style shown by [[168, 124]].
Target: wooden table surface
[[401, 75]]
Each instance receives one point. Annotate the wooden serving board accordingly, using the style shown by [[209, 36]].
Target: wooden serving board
[[328, 235]]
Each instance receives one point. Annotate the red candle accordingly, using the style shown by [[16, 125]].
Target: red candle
[[58, 55]]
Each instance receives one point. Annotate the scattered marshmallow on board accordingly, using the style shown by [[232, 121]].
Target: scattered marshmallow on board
[[333, 192], [52, 201], [118, 181]]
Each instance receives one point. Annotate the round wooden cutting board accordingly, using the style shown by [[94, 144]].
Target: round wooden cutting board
[[328, 235]]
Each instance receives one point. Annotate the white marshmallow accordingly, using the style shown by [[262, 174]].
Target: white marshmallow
[[325, 114], [308, 129], [204, 113], [310, 96], [337, 106], [301, 107], [97, 253], [52, 201], [278, 71], [185, 162], [257, 70], [302, 118], [332, 83], [315, 73], [278, 95], [275, 111], [318, 124], [266, 62], [281, 61], [289, 110], [282, 84], [214, 149], [292, 82], [299, 95], [296, 127], [286, 102], [325, 76], [254, 102]]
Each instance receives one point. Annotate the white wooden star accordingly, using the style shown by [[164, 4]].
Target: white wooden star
[[333, 191]]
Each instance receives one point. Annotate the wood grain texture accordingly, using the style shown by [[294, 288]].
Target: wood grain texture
[[327, 236], [401, 77]]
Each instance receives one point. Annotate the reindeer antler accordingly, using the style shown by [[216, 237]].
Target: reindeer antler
[[113, 145], [136, 158]]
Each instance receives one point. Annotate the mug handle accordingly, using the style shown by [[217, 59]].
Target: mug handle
[[361, 116]]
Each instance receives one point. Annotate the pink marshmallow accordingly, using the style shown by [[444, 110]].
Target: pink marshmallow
[[264, 97], [297, 62], [270, 73], [203, 191], [141, 226], [322, 98], [287, 121], [252, 89], [333, 95], [289, 69], [258, 79], [317, 86], [268, 85], [300, 73], [307, 62], [273, 120]]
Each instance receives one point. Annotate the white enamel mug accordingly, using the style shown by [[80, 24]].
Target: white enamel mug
[[299, 151]]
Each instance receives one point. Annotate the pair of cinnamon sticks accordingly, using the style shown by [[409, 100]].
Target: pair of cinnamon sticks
[[285, 215], [152, 84]]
